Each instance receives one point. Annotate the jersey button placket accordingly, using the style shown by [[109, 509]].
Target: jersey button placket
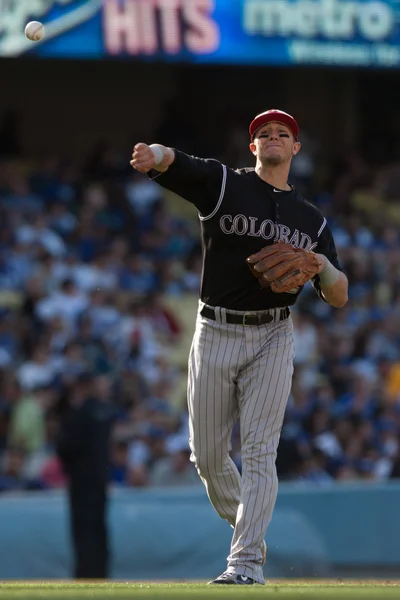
[[277, 211]]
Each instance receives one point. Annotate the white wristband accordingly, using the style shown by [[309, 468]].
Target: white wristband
[[158, 153], [329, 275]]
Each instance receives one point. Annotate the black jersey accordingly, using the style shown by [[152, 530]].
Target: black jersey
[[240, 214]]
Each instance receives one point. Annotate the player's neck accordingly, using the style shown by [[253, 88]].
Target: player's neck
[[274, 175]]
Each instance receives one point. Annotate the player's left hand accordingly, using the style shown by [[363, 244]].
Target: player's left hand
[[283, 267]]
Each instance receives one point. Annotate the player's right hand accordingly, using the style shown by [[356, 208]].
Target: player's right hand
[[143, 159]]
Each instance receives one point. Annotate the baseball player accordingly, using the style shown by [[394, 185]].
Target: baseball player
[[261, 243]]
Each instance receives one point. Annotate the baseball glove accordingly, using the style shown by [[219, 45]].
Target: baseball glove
[[283, 267]]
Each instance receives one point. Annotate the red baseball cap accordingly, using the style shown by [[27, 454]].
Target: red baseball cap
[[274, 115]]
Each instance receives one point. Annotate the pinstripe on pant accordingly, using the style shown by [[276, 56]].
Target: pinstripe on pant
[[239, 370]]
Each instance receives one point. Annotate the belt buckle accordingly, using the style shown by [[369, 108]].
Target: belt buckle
[[249, 314]]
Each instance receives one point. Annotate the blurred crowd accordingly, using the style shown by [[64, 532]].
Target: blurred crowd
[[96, 261]]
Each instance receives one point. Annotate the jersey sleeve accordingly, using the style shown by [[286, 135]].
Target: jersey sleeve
[[325, 246], [200, 181]]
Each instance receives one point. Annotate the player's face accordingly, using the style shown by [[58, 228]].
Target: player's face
[[274, 144]]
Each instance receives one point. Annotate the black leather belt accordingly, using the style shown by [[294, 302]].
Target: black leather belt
[[247, 318]]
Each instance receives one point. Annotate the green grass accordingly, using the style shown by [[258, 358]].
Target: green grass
[[280, 590]]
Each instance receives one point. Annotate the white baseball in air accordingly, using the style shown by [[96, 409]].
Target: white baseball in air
[[35, 31]]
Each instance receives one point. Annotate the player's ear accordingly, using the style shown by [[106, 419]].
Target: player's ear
[[296, 148], [253, 149]]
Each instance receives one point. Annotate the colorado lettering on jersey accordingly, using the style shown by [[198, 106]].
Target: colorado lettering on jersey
[[267, 229]]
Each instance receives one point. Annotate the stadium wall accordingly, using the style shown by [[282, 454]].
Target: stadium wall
[[345, 530], [67, 106]]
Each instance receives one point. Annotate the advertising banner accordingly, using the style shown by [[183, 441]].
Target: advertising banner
[[360, 33]]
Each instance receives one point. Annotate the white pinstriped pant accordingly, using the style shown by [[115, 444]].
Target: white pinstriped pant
[[240, 371]]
